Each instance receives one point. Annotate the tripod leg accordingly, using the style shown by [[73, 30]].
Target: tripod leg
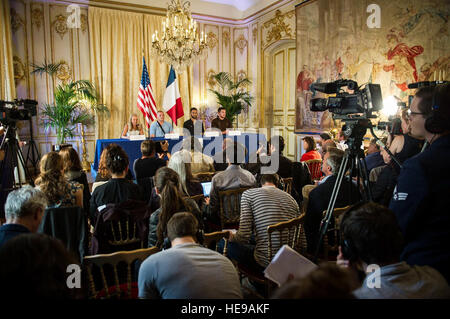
[[363, 171]]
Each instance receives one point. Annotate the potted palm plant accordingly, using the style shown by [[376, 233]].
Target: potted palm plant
[[74, 103], [231, 94]]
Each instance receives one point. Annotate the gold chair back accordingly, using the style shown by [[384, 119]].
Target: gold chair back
[[338, 213], [315, 168], [213, 238], [287, 184], [230, 205]]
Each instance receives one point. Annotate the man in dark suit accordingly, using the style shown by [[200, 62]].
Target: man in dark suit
[[320, 196], [193, 125]]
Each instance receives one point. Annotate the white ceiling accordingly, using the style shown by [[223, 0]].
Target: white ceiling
[[230, 9]]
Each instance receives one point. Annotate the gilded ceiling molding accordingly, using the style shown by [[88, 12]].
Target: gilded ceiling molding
[[210, 78], [37, 17], [60, 25], [19, 69], [64, 72], [16, 21], [241, 43], [226, 37], [278, 26], [212, 40]]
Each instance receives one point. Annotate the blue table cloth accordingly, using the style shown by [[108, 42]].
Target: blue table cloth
[[211, 145]]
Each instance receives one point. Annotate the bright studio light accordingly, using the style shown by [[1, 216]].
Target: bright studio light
[[390, 106]]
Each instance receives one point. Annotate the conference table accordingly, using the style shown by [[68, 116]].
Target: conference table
[[211, 146]]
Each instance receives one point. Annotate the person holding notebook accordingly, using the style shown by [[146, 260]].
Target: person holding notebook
[[160, 128]]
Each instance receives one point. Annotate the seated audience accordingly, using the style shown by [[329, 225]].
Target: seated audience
[[324, 137], [370, 236], [24, 209], [325, 282], [320, 196], [168, 187], [118, 189], [421, 198], [36, 268], [103, 174], [220, 159], [231, 178], [74, 172], [373, 158], [342, 141], [133, 127], [187, 270], [54, 184], [260, 208], [200, 163], [148, 164], [310, 149], [180, 162]]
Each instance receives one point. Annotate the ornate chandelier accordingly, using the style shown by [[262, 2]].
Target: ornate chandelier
[[180, 43]]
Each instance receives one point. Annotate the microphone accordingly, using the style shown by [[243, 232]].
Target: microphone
[[381, 144]]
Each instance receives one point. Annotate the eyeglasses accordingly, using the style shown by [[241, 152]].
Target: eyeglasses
[[409, 113]]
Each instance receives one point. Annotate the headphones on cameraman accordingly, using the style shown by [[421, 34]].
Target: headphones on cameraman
[[348, 249], [437, 121]]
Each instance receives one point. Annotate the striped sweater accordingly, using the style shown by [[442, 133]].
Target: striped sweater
[[261, 207]]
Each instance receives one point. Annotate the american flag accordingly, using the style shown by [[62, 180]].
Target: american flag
[[146, 101]]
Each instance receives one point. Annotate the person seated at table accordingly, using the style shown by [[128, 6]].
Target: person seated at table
[[118, 189], [103, 174], [180, 162], [51, 181], [201, 163], [74, 172], [132, 128], [221, 121], [148, 164], [193, 125], [159, 128], [310, 146]]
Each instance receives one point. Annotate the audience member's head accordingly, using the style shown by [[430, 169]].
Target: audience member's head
[[324, 137], [25, 206], [168, 186], [328, 281], [373, 147], [51, 178], [332, 161], [180, 162], [182, 224], [268, 179], [35, 267], [276, 143], [148, 148], [71, 160], [235, 154], [102, 168], [309, 144], [227, 142], [192, 144], [117, 160], [327, 144], [370, 235]]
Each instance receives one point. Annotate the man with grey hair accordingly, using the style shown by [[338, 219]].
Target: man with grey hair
[[24, 209], [320, 196]]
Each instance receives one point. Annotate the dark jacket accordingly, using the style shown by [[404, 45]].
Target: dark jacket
[[318, 202], [421, 204], [136, 212], [189, 125], [9, 231], [384, 186]]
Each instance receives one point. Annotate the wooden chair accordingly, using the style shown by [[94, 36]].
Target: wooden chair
[[197, 198], [287, 184], [338, 213], [230, 206], [315, 168], [210, 239], [289, 233], [204, 177], [123, 233], [112, 285]]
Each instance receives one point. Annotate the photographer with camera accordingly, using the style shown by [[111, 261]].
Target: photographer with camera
[[421, 198]]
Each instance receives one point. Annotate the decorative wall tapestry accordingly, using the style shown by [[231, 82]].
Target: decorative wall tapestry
[[334, 41]]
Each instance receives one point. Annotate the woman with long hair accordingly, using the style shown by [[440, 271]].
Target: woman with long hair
[[310, 149], [133, 127], [168, 187], [51, 180], [180, 162], [74, 172]]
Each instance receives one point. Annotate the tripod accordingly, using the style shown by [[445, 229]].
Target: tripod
[[13, 158], [33, 150], [353, 160]]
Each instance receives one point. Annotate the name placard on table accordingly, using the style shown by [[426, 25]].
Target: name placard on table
[[234, 133], [137, 137], [172, 136]]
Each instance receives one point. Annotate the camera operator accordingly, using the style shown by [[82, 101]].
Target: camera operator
[[421, 199]]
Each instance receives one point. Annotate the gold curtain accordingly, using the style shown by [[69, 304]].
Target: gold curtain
[[7, 86], [117, 41]]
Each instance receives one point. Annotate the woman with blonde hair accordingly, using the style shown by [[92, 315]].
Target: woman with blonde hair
[[51, 181], [133, 127], [180, 162]]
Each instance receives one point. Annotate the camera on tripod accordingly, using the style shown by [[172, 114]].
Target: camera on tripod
[[362, 101], [17, 110], [393, 125]]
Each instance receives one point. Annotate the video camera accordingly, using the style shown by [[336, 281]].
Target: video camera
[[17, 110], [393, 125], [361, 101]]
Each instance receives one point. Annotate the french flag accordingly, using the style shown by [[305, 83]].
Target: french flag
[[172, 104]]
